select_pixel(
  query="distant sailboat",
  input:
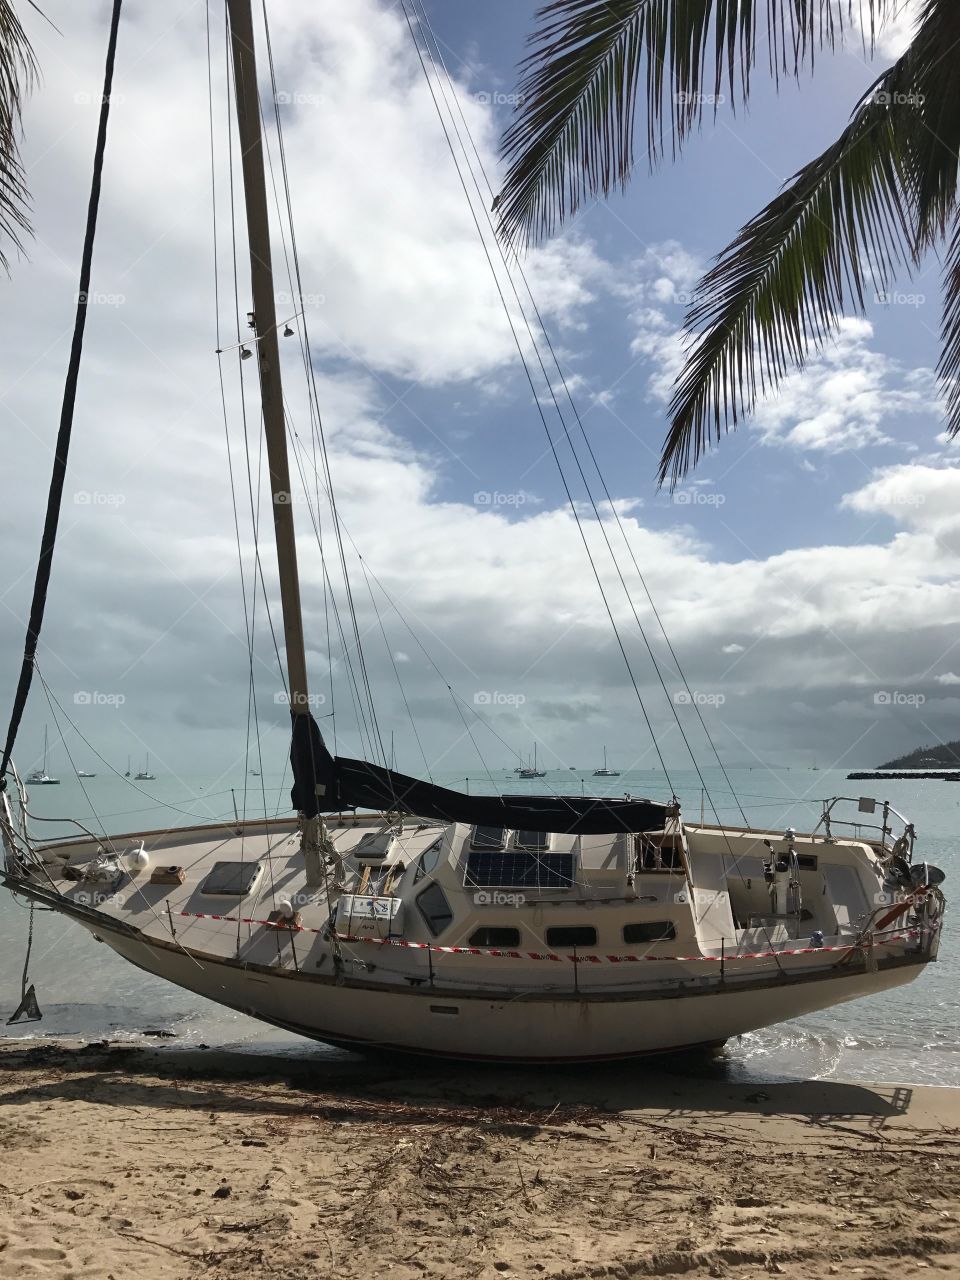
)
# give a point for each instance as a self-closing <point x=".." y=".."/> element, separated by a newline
<point x="145" y="775"/>
<point x="127" y="774"/>
<point x="40" y="777"/>
<point x="605" y="772"/>
<point x="531" y="770"/>
<point x="82" y="773"/>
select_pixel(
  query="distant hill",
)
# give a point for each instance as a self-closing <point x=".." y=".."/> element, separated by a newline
<point x="944" y="755"/>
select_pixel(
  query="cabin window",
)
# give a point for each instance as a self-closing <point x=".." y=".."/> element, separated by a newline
<point x="488" y="838"/>
<point x="649" y="931"/>
<point x="494" y="936"/>
<point x="655" y="856"/>
<point x="807" y="861"/>
<point x="433" y="906"/>
<point x="519" y="869"/>
<point x="538" y="841"/>
<point x="428" y="860"/>
<point x="572" y="935"/>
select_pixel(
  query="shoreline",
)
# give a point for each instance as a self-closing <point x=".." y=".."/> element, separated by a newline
<point x="718" y="1065"/>
<point x="171" y="1161"/>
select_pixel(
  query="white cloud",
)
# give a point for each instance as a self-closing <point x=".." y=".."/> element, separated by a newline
<point x="847" y="396"/>
<point x="948" y="677"/>
<point x="732" y="648"/>
<point x="843" y="398"/>
<point x="922" y="497"/>
<point x="895" y="34"/>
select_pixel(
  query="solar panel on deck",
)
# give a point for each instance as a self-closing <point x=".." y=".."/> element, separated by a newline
<point x="519" y="869"/>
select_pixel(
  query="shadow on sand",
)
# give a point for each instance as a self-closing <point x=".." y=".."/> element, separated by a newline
<point x="396" y="1088"/>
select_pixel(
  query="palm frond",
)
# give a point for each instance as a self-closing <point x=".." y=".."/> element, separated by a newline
<point x="18" y="69"/>
<point x="930" y="92"/>
<point x="948" y="367"/>
<point x="573" y="137"/>
<point x="845" y="220"/>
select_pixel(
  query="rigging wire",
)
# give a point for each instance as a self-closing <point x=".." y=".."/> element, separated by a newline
<point x="396" y="670"/>
<point x="62" y="449"/>
<point x="249" y="607"/>
<point x="363" y="727"/>
<point x="436" y="54"/>
<point x="457" y="165"/>
<point x="457" y="700"/>
<point x="311" y="382"/>
<point x="550" y="439"/>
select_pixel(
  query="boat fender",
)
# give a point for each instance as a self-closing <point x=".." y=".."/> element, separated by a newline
<point x="138" y="859"/>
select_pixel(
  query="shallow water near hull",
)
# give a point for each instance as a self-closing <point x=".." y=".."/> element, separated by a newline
<point x="86" y="992"/>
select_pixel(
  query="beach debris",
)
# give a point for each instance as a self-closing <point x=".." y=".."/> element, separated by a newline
<point x="222" y="1192"/>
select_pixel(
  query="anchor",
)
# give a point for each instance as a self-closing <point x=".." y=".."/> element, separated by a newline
<point x="27" y="1010"/>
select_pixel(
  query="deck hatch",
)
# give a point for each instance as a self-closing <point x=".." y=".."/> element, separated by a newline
<point x="232" y="879"/>
<point x="488" y="838"/>
<point x="519" y="869"/>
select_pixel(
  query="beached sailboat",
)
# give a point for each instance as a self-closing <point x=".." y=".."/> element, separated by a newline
<point x="40" y="777"/>
<point x="390" y="911"/>
<point x="604" y="772"/>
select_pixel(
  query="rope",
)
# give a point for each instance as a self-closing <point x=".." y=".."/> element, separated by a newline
<point x="61" y="452"/>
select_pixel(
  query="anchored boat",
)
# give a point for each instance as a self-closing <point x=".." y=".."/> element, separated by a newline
<point x="389" y="911"/>
<point x="40" y="777"/>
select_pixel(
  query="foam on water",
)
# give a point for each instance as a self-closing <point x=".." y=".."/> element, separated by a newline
<point x="908" y="1036"/>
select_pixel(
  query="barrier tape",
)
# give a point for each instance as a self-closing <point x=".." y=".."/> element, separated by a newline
<point x="545" y="955"/>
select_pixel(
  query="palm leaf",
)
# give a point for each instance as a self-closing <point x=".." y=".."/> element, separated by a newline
<point x="873" y="202"/>
<point x="845" y="220"/>
<point x="573" y="137"/>
<point x="18" y="69"/>
<point x="931" y="92"/>
<point x="948" y="367"/>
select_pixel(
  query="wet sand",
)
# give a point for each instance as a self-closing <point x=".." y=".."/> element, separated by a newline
<point x="120" y="1161"/>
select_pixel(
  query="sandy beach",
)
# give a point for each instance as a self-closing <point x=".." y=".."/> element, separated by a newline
<point x="122" y="1161"/>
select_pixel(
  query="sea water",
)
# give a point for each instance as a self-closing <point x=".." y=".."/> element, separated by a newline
<point x="908" y="1036"/>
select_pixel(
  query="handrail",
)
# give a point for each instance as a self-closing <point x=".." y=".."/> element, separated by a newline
<point x="885" y="828"/>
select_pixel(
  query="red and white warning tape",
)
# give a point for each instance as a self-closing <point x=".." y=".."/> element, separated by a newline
<point x="545" y="955"/>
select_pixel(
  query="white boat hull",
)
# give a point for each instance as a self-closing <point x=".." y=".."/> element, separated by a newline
<point x="511" y="1028"/>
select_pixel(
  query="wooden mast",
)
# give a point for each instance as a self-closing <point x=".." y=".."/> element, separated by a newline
<point x="266" y="345"/>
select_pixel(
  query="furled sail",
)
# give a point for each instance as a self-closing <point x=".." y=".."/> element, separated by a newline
<point x="324" y="783"/>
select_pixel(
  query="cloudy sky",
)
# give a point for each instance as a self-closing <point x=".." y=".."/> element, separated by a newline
<point x="806" y="574"/>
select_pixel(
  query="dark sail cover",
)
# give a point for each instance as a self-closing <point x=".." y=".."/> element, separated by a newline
<point x="329" y="784"/>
